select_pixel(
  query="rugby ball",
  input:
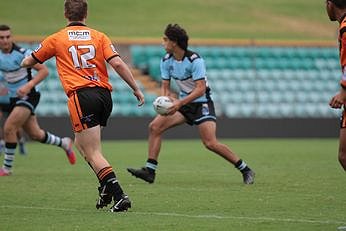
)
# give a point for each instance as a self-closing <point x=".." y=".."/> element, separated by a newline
<point x="161" y="104"/>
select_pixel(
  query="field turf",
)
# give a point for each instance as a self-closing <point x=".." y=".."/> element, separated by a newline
<point x="299" y="186"/>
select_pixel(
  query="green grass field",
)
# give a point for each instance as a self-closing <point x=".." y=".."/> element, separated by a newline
<point x="227" y="19"/>
<point x="299" y="186"/>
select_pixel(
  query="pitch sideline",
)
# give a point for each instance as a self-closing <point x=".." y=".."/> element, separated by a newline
<point x="210" y="216"/>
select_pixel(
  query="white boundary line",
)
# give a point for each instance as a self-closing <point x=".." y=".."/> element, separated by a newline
<point x="210" y="216"/>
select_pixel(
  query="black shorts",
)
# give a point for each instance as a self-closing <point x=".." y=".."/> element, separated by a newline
<point x="197" y="113"/>
<point x="30" y="101"/>
<point x="89" y="107"/>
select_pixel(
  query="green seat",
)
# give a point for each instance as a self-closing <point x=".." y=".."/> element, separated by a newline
<point x="154" y="68"/>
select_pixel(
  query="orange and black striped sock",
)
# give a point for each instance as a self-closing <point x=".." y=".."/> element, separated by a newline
<point x="107" y="176"/>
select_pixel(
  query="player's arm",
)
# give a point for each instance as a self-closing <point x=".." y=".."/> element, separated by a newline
<point x="42" y="73"/>
<point x="166" y="80"/>
<point x="165" y="88"/>
<point x="195" y="93"/>
<point x="28" y="61"/>
<point x="123" y="70"/>
<point x="340" y="98"/>
<point x="198" y="73"/>
<point x="198" y="91"/>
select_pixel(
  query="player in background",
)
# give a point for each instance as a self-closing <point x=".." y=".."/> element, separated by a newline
<point x="23" y="100"/>
<point x="336" y="10"/>
<point x="4" y="111"/>
<point x="194" y="106"/>
<point x="81" y="58"/>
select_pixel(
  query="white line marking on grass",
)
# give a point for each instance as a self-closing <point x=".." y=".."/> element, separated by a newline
<point x="36" y="208"/>
<point x="210" y="216"/>
<point x="246" y="218"/>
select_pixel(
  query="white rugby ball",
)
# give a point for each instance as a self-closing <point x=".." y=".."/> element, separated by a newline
<point x="161" y="104"/>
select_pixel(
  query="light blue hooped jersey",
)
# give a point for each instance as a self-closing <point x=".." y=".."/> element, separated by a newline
<point x="4" y="99"/>
<point x="185" y="73"/>
<point x="14" y="75"/>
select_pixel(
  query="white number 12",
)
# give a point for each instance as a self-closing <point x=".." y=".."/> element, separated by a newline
<point x="84" y="57"/>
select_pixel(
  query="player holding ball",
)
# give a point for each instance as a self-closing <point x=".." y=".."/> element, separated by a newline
<point x="193" y="106"/>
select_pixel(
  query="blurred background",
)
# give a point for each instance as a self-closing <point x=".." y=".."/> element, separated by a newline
<point x="272" y="65"/>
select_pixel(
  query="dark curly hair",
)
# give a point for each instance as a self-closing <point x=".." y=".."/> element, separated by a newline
<point x="177" y="34"/>
<point x="339" y="3"/>
<point x="4" y="27"/>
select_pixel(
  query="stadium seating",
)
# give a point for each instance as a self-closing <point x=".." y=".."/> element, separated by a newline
<point x="246" y="81"/>
<point x="269" y="82"/>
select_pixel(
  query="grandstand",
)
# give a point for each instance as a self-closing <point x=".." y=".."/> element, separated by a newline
<point x="246" y="81"/>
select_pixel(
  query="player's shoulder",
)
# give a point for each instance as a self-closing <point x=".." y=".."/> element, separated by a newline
<point x="166" y="57"/>
<point x="19" y="49"/>
<point x="192" y="56"/>
<point x="342" y="28"/>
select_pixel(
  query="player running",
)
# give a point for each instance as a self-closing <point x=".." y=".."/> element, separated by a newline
<point x="194" y="106"/>
<point x="24" y="98"/>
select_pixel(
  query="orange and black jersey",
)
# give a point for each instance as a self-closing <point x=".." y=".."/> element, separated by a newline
<point x="80" y="54"/>
<point x="342" y="50"/>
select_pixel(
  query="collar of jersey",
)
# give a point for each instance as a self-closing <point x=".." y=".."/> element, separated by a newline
<point x="76" y="24"/>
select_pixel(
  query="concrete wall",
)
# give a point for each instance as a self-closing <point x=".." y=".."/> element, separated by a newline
<point x="136" y="128"/>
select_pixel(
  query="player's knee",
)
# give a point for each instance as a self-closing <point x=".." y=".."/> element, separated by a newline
<point x="154" y="128"/>
<point x="210" y="144"/>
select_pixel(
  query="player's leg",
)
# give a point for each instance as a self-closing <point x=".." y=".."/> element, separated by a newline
<point x="88" y="142"/>
<point x="156" y="128"/>
<point x="207" y="131"/>
<point x="32" y="128"/>
<point x="342" y="141"/>
<point x="90" y="109"/>
<point x="2" y="122"/>
<point x="13" y="123"/>
<point x="21" y="141"/>
<point x="4" y="111"/>
<point x="342" y="148"/>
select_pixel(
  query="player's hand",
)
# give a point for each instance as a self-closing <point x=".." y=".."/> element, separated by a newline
<point x="175" y="107"/>
<point x="140" y="97"/>
<point x="3" y="90"/>
<point x="337" y="101"/>
<point x="24" y="90"/>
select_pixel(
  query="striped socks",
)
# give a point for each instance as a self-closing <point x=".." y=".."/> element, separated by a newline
<point x="242" y="166"/>
<point x="52" y="139"/>
<point x="107" y="177"/>
<point x="151" y="165"/>
<point x="10" y="149"/>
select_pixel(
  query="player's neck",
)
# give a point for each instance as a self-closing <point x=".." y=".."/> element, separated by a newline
<point x="179" y="54"/>
<point x="76" y="22"/>
<point x="340" y="15"/>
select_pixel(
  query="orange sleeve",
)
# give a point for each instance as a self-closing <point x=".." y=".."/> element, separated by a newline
<point x="45" y="50"/>
<point x="342" y="47"/>
<point x="109" y="50"/>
